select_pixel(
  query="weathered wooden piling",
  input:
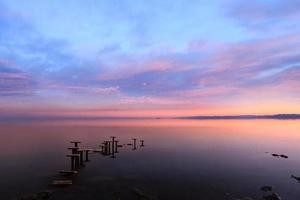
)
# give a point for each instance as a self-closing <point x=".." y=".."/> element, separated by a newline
<point x="80" y="151"/>
<point x="74" y="149"/>
<point x="108" y="147"/>
<point x="113" y="144"/>
<point x="75" y="152"/>
<point x="116" y="146"/>
<point x="87" y="154"/>
<point x="134" y="143"/>
<point x="75" y="143"/>
<point x="102" y="147"/>
<point x="142" y="143"/>
<point x="74" y="160"/>
<point x="112" y="154"/>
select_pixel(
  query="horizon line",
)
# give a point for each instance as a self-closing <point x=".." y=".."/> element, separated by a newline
<point x="195" y="117"/>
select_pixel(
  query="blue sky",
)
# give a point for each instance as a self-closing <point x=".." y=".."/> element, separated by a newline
<point x="198" y="55"/>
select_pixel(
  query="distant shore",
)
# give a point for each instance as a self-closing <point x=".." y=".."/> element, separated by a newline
<point x="277" y="116"/>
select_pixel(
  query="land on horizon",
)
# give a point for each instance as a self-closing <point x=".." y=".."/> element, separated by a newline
<point x="276" y="116"/>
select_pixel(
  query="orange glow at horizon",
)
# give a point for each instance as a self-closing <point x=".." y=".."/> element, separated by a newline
<point x="240" y="108"/>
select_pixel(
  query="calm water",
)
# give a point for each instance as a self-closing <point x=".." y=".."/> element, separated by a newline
<point x="182" y="159"/>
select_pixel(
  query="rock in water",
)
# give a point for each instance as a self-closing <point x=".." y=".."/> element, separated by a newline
<point x="37" y="196"/>
<point x="46" y="194"/>
<point x="275" y="155"/>
<point x="266" y="188"/>
<point x="296" y="177"/>
<point x="143" y="196"/>
<point x="283" y="156"/>
<point x="246" y="198"/>
<point x="273" y="196"/>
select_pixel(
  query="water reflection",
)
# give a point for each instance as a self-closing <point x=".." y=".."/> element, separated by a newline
<point x="187" y="159"/>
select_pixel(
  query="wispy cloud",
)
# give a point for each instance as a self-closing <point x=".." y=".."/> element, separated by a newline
<point x="276" y="16"/>
<point x="212" y="55"/>
<point x="14" y="81"/>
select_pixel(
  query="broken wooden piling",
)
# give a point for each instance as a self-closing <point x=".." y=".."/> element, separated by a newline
<point x="134" y="143"/>
<point x="87" y="154"/>
<point x="75" y="143"/>
<point x="74" y="160"/>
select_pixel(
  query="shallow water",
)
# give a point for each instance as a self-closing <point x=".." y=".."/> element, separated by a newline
<point x="182" y="159"/>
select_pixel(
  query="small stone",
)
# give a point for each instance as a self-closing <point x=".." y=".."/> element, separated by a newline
<point x="275" y="155"/>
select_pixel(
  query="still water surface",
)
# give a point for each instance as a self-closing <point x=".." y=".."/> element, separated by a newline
<point x="182" y="159"/>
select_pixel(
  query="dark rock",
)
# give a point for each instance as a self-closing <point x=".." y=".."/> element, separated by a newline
<point x="296" y="177"/>
<point x="273" y="196"/>
<point x="275" y="155"/>
<point x="283" y="156"/>
<point x="266" y="188"/>
<point x="246" y="198"/>
<point x="46" y="194"/>
<point x="27" y="197"/>
<point x="143" y="196"/>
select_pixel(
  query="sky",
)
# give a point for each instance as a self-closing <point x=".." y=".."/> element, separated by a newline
<point x="149" y="57"/>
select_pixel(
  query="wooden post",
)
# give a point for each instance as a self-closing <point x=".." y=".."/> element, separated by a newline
<point x="81" y="156"/>
<point x="142" y="143"/>
<point x="116" y="146"/>
<point x="87" y="154"/>
<point x="75" y="143"/>
<point x="113" y="144"/>
<point x="106" y="150"/>
<point x="74" y="149"/>
<point x="74" y="158"/>
<point x="109" y="144"/>
<point x="102" y="148"/>
<point x="134" y="143"/>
